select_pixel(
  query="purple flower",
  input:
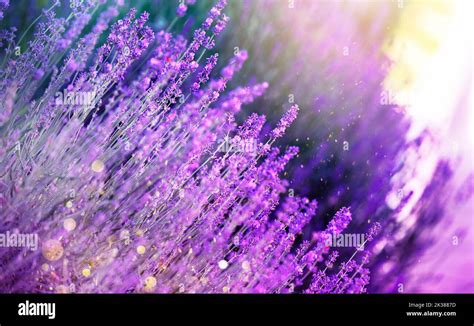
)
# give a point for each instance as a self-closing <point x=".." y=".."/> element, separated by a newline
<point x="115" y="161"/>
<point x="181" y="11"/>
<point x="287" y="119"/>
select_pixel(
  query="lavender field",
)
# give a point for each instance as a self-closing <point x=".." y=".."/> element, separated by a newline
<point x="236" y="146"/>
